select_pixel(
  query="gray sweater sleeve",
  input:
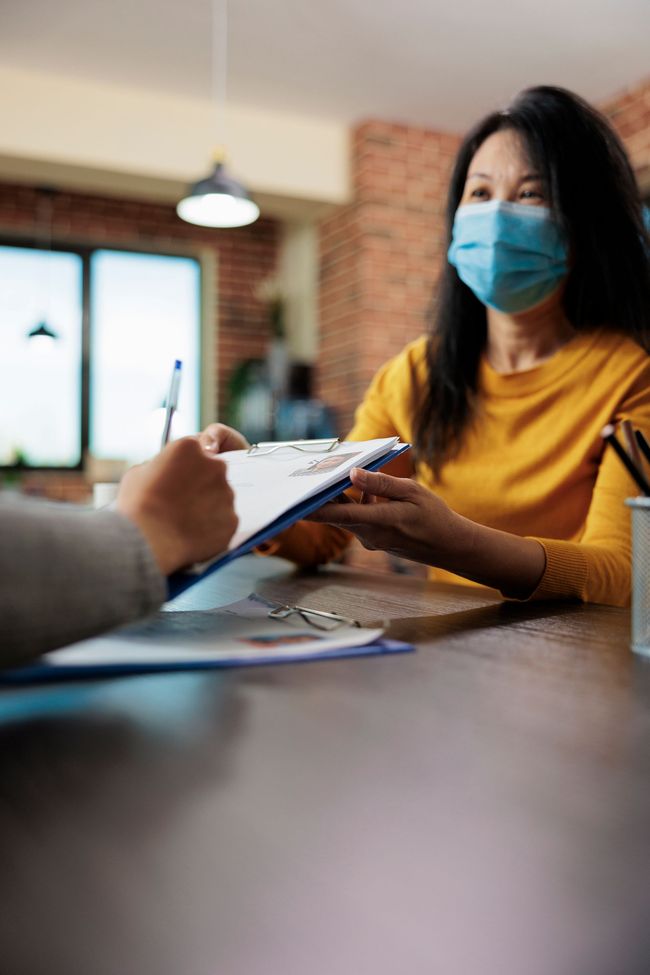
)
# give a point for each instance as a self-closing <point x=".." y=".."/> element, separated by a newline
<point x="67" y="573"/>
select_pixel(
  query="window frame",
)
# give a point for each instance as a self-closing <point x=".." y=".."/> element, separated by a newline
<point x="85" y="251"/>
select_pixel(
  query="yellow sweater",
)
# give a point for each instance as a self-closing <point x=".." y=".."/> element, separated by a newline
<point x="533" y="463"/>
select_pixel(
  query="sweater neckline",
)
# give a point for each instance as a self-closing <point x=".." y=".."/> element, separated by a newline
<point x="530" y="380"/>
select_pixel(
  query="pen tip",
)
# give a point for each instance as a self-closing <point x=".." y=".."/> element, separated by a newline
<point x="177" y="364"/>
<point x="607" y="430"/>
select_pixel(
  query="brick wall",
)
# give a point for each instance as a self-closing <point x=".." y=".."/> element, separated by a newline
<point x="380" y="256"/>
<point x="629" y="113"/>
<point x="242" y="258"/>
<point x="379" y="261"/>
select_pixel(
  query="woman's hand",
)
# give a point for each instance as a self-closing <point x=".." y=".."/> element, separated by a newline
<point x="218" y="438"/>
<point x="397" y="515"/>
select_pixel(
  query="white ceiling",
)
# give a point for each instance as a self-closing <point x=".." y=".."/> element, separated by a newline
<point x="439" y="63"/>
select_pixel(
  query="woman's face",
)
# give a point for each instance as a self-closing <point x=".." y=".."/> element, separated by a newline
<point x="501" y="170"/>
<point x="514" y="262"/>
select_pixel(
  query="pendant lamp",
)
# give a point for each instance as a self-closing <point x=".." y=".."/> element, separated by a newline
<point x="42" y="334"/>
<point x="218" y="200"/>
<point x="42" y="331"/>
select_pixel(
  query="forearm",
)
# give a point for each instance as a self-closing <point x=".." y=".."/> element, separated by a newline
<point x="399" y="516"/>
<point x="494" y="558"/>
<point x="68" y="574"/>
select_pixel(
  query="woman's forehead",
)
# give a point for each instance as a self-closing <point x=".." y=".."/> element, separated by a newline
<point x="502" y="152"/>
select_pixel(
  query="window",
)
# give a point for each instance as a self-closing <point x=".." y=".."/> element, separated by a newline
<point x="144" y="313"/>
<point x="40" y="389"/>
<point x="118" y="321"/>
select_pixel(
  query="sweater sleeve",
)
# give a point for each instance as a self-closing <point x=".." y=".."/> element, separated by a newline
<point x="597" y="567"/>
<point x="309" y="544"/>
<point x="68" y="573"/>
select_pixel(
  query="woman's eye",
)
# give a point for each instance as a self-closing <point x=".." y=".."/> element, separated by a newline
<point x="479" y="193"/>
<point x="530" y="195"/>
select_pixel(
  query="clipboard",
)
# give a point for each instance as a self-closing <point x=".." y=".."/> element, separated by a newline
<point x="46" y="673"/>
<point x="241" y="634"/>
<point x="178" y="582"/>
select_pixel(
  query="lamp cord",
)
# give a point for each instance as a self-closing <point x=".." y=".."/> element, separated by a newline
<point x="220" y="68"/>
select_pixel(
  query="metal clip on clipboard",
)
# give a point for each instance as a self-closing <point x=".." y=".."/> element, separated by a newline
<point x="262" y="449"/>
<point x="316" y="618"/>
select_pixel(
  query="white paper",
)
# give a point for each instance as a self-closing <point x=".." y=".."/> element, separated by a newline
<point x="239" y="632"/>
<point x="266" y="486"/>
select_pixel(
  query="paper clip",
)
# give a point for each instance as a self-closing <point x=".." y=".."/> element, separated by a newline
<point x="306" y="446"/>
<point x="330" y="621"/>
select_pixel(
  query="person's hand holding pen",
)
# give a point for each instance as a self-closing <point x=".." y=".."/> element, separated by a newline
<point x="182" y="504"/>
<point x="217" y="438"/>
<point x="181" y="500"/>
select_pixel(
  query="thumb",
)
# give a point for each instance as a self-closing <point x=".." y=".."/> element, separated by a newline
<point x="384" y="485"/>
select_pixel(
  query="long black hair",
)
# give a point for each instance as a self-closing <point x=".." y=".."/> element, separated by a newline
<point x="590" y="186"/>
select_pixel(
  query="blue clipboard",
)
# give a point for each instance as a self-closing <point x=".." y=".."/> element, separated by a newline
<point x="178" y="582"/>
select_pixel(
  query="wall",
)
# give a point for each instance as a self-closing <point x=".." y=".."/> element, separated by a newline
<point x="236" y="261"/>
<point x="125" y="138"/>
<point x="379" y="260"/>
<point x="629" y="113"/>
<point x="298" y="279"/>
<point x="380" y="256"/>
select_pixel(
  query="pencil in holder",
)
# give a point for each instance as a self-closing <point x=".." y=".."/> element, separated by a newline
<point x="640" y="574"/>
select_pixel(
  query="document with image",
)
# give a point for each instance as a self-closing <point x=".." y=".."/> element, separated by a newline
<point x="268" y="484"/>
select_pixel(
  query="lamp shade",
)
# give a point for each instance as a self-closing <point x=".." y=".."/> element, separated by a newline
<point x="42" y="331"/>
<point x="218" y="201"/>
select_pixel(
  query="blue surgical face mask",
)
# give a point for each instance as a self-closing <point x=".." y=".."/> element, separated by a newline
<point x="511" y="255"/>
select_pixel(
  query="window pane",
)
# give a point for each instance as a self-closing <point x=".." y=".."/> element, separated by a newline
<point x="40" y="392"/>
<point x="145" y="313"/>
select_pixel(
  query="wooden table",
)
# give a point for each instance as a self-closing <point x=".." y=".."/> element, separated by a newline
<point x="481" y="806"/>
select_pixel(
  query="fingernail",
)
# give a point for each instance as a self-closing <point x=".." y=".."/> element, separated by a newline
<point x="359" y="475"/>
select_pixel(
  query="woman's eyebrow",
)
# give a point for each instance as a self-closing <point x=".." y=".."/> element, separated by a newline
<point x="527" y="177"/>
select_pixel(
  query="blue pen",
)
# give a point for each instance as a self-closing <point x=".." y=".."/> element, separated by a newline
<point x="172" y="401"/>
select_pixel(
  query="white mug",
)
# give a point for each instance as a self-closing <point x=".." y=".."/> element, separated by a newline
<point x="104" y="494"/>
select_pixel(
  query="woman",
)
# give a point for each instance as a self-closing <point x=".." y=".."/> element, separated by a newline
<point x="541" y="339"/>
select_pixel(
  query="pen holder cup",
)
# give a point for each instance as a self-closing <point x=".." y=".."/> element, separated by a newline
<point x="640" y="574"/>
